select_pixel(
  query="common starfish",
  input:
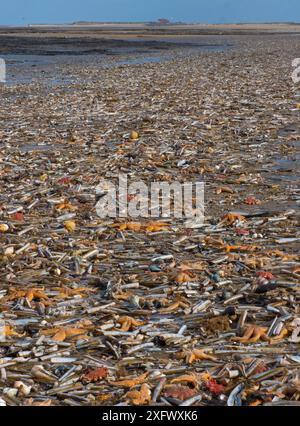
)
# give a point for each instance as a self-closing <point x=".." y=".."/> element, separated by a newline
<point x="30" y="294"/>
<point x="128" y="323"/>
<point x="61" y="334"/>
<point x="230" y="218"/>
<point x="255" y="333"/>
<point x="141" y="397"/>
<point x="173" y="307"/>
<point x="196" y="355"/>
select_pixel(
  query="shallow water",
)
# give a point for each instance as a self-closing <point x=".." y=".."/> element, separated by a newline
<point x="35" y="147"/>
<point x="26" y="68"/>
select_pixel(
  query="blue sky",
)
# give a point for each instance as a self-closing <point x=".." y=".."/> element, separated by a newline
<point x="209" y="11"/>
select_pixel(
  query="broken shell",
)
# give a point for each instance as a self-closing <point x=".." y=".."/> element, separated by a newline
<point x="9" y="251"/>
<point x="38" y="372"/>
<point x="23" y="390"/>
<point x="10" y="392"/>
<point x="70" y="225"/>
<point x="134" y="135"/>
<point x="4" y="227"/>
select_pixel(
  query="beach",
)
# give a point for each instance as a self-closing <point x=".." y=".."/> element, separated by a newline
<point x="150" y="311"/>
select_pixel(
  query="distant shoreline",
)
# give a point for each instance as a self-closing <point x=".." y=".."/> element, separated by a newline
<point x="150" y="23"/>
<point x="149" y="29"/>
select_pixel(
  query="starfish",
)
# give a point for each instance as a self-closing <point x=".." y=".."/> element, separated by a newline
<point x="156" y="226"/>
<point x="130" y="226"/>
<point x="66" y="206"/>
<point x="253" y="334"/>
<point x="282" y="255"/>
<point x="284" y="332"/>
<point x="240" y="248"/>
<point x="128" y="323"/>
<point x="68" y="292"/>
<point x="225" y="189"/>
<point x="214" y="242"/>
<point x="252" y="201"/>
<point x="30" y="294"/>
<point x="188" y="378"/>
<point x="9" y="332"/>
<point x="61" y="334"/>
<point x="141" y="397"/>
<point x="129" y="383"/>
<point x="196" y="355"/>
<point x="173" y="307"/>
<point x="184" y="277"/>
<point x="230" y="218"/>
<point x="123" y="295"/>
<point x="95" y="375"/>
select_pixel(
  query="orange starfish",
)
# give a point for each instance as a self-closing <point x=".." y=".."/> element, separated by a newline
<point x="141" y="397"/>
<point x="129" y="383"/>
<point x="188" y="378"/>
<point x="240" y="248"/>
<point x="128" y="323"/>
<point x="173" y="307"/>
<point x="130" y="226"/>
<point x="184" y="277"/>
<point x="284" y="332"/>
<point x="196" y="355"/>
<point x="123" y="295"/>
<point x="253" y="334"/>
<point x="224" y="189"/>
<point x="66" y="206"/>
<point x="61" y="334"/>
<point x="8" y="331"/>
<point x="156" y="226"/>
<point x="30" y="294"/>
<point x="230" y="218"/>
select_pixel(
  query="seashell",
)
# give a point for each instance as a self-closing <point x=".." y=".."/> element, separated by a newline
<point x="10" y="392"/>
<point x="23" y="390"/>
<point x="134" y="135"/>
<point x="9" y="251"/>
<point x="4" y="227"/>
<point x="38" y="372"/>
<point x="70" y="225"/>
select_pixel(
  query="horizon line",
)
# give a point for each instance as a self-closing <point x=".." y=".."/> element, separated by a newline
<point x="80" y="23"/>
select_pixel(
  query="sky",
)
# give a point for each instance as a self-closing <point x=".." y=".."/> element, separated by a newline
<point x="23" y="12"/>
